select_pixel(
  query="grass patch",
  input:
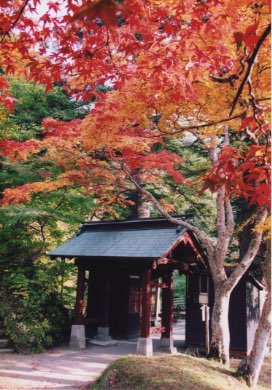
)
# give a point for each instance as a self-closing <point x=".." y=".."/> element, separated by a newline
<point x="180" y="372"/>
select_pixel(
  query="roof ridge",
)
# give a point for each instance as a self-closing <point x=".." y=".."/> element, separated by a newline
<point x="129" y="221"/>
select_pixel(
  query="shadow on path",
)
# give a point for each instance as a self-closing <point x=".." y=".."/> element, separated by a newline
<point x="62" y="368"/>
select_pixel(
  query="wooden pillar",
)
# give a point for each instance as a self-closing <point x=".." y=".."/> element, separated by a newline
<point x="146" y="303"/>
<point x="80" y="295"/>
<point x="157" y="304"/>
<point x="105" y="300"/>
<point x="89" y="308"/>
<point x="167" y="306"/>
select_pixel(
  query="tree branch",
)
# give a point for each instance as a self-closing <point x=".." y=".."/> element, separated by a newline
<point x="256" y="109"/>
<point x="222" y="80"/>
<point x="15" y="21"/>
<point x="199" y="233"/>
<point x="250" y="253"/>
<point x="230" y="224"/>
<point x="221" y="216"/>
<point x="250" y="63"/>
<point x="203" y="125"/>
<point x="222" y="236"/>
<point x="251" y="136"/>
<point x="267" y="266"/>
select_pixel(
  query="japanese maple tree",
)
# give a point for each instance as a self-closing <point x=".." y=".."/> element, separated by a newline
<point x="198" y="67"/>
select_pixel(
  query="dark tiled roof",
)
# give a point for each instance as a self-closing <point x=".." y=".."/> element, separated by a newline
<point x="142" y="238"/>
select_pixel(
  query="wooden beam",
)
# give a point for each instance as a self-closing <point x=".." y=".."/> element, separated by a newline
<point x="167" y="306"/>
<point x="188" y="240"/>
<point x="157" y="304"/>
<point x="80" y="295"/>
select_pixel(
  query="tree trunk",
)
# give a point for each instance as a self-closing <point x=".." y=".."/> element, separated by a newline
<point x="254" y="363"/>
<point x="251" y="367"/>
<point x="143" y="207"/>
<point x="220" y="340"/>
<point x="217" y="249"/>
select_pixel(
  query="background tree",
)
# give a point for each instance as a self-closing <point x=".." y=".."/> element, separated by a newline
<point x="35" y="302"/>
<point x="32" y="105"/>
<point x="199" y="65"/>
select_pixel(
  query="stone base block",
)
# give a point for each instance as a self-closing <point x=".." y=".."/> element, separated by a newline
<point x="103" y="333"/>
<point x="145" y="346"/>
<point x="103" y="337"/>
<point x="77" y="340"/>
<point x="167" y="345"/>
<point x="101" y="343"/>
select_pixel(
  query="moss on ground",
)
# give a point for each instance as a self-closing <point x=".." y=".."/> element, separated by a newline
<point x="180" y="372"/>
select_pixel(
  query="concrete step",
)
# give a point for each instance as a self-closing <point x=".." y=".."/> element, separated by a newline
<point x="6" y="350"/>
<point x="4" y="343"/>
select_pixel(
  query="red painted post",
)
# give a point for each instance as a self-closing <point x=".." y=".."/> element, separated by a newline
<point x="146" y="303"/>
<point x="167" y="306"/>
<point x="80" y="295"/>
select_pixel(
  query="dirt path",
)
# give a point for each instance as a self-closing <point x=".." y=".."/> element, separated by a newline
<point x="60" y="368"/>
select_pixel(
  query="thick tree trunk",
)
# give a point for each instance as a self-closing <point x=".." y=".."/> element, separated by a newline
<point x="220" y="340"/>
<point x="254" y="363"/>
<point x="217" y="249"/>
<point x="251" y="367"/>
<point x="143" y="207"/>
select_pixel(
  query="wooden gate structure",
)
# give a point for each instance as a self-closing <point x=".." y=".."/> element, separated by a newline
<point x="124" y="261"/>
<point x="120" y="263"/>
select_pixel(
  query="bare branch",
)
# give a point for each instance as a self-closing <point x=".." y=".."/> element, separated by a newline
<point x="224" y="219"/>
<point x="199" y="233"/>
<point x="230" y="224"/>
<point x="256" y="108"/>
<point x="15" y="21"/>
<point x="225" y="227"/>
<point x="250" y="63"/>
<point x="250" y="253"/>
<point x="222" y="80"/>
<point x="110" y="51"/>
<point x="263" y="99"/>
<point x="213" y="152"/>
<point x="221" y="217"/>
<point x="251" y="136"/>
<point x="226" y="137"/>
<point x="267" y="265"/>
<point x="203" y="125"/>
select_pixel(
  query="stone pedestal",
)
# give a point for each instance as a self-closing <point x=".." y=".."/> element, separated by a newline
<point x="145" y="346"/>
<point x="167" y="345"/>
<point x="102" y="337"/>
<point x="103" y="333"/>
<point x="77" y="340"/>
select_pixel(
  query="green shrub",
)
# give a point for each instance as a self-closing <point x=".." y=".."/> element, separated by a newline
<point x="27" y="334"/>
<point x="31" y="311"/>
<point x="59" y="318"/>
